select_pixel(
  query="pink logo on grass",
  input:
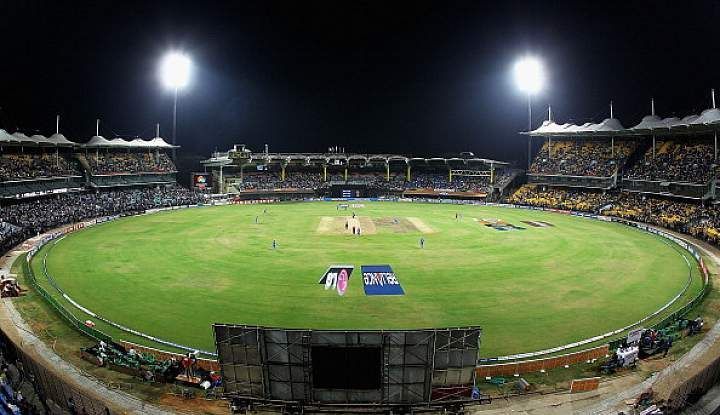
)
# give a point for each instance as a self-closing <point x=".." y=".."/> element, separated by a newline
<point x="342" y="281"/>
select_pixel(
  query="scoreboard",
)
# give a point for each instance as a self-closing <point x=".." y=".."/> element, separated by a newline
<point x="349" y="191"/>
<point x="201" y="181"/>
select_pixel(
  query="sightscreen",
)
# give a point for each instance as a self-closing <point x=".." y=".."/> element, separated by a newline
<point x="346" y="367"/>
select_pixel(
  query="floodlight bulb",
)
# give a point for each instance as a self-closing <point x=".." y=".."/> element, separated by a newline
<point x="175" y="70"/>
<point x="529" y="75"/>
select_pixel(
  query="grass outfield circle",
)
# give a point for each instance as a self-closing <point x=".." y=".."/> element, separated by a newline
<point x="560" y="279"/>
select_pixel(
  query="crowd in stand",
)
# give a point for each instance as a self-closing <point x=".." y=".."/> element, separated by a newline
<point x="32" y="166"/>
<point x="378" y="179"/>
<point x="664" y="212"/>
<point x="582" y="157"/>
<point x="25" y="219"/>
<point x="694" y="218"/>
<point x="271" y="180"/>
<point x="702" y="221"/>
<point x="429" y="181"/>
<point x="687" y="161"/>
<point x="473" y="184"/>
<point x="503" y="177"/>
<point x="28" y="166"/>
<point x="128" y="162"/>
<point x="559" y="198"/>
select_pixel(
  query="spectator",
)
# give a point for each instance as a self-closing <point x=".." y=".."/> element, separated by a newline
<point x="127" y="162"/>
<point x="687" y="161"/>
<point x="25" y="219"/>
<point x="582" y="157"/>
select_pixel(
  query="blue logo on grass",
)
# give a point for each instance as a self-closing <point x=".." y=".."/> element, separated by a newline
<point x="380" y="280"/>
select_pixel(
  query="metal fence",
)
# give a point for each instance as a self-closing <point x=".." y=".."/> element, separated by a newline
<point x="62" y="311"/>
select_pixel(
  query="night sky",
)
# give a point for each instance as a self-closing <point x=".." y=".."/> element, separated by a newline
<point x="379" y="76"/>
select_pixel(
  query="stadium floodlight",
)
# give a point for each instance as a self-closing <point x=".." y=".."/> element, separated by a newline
<point x="175" y="70"/>
<point x="529" y="75"/>
<point x="530" y="79"/>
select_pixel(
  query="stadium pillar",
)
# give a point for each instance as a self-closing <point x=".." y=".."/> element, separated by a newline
<point x="612" y="147"/>
<point x="529" y="99"/>
<point x="57" y="131"/>
<point x="550" y="148"/>
<point x="387" y="171"/>
<point x="654" y="145"/>
<point x="450" y="175"/>
<point x="407" y="177"/>
<point x="241" y="174"/>
<point x="174" y="153"/>
<point x="492" y="173"/>
<point x="324" y="172"/>
<point x="222" y="188"/>
<point x="346" y="173"/>
<point x="282" y="172"/>
<point x="715" y="145"/>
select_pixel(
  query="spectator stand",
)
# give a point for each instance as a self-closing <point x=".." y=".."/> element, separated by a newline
<point x="32" y="166"/>
<point x="506" y="180"/>
<point x="119" y="162"/>
<point x="684" y="164"/>
<point x="242" y="172"/>
<point x="679" y="166"/>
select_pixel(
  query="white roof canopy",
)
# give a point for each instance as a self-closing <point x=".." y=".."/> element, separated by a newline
<point x="550" y="128"/>
<point x="59" y="140"/>
<point x="707" y="121"/>
<point x="102" y="142"/>
<point x="7" y="138"/>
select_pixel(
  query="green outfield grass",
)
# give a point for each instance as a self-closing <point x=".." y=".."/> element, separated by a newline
<point x="173" y="274"/>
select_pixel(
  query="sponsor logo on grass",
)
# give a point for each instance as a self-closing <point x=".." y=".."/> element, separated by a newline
<point x="380" y="280"/>
<point x="337" y="277"/>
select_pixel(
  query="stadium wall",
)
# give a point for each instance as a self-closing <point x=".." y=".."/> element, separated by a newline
<point x="54" y="392"/>
<point x="535" y="365"/>
<point x="690" y="390"/>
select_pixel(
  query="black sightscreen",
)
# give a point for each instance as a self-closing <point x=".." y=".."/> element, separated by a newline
<point x="346" y="367"/>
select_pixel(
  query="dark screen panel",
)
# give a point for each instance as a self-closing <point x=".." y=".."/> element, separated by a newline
<point x="346" y="367"/>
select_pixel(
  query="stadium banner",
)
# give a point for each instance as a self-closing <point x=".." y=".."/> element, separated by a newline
<point x="337" y="277"/>
<point x="380" y="280"/>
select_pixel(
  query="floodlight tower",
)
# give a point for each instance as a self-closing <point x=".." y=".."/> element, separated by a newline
<point x="175" y="69"/>
<point x="529" y="78"/>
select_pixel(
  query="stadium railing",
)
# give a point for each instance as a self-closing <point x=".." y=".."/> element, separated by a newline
<point x="572" y="181"/>
<point x="690" y="190"/>
<point x="71" y="317"/>
<point x="59" y="308"/>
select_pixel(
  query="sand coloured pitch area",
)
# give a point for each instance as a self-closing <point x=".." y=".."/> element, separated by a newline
<point x="336" y="225"/>
<point x="420" y="225"/>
